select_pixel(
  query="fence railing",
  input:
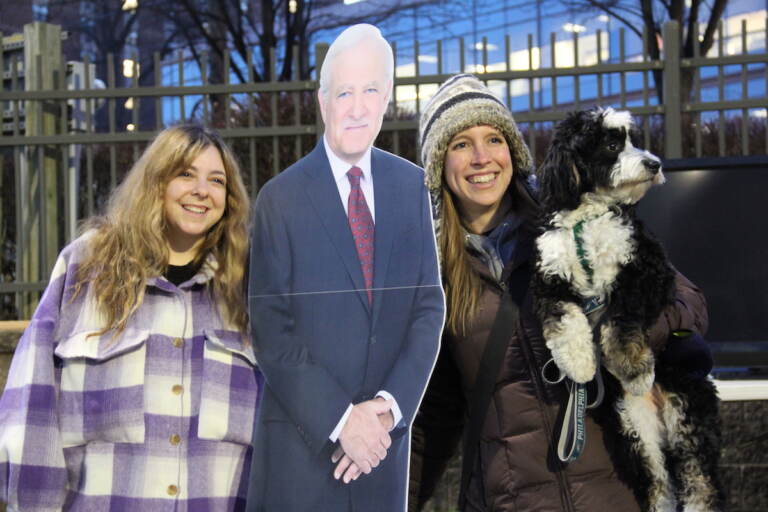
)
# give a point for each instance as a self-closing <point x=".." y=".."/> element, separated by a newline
<point x="64" y="146"/>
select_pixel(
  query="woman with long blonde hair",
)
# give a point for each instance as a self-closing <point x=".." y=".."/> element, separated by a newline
<point x="134" y="386"/>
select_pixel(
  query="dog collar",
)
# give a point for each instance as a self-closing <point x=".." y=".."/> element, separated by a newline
<point x="580" y="252"/>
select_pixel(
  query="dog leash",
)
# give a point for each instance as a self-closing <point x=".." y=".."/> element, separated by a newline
<point x="572" y="436"/>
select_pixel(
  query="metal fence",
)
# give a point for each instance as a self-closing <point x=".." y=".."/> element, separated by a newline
<point x="65" y="146"/>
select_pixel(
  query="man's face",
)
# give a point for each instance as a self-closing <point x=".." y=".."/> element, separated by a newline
<point x="356" y="100"/>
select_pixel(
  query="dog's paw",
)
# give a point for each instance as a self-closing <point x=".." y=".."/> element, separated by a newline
<point x="628" y="357"/>
<point x="569" y="338"/>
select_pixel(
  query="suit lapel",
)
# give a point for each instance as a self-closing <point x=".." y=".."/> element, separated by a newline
<point x="324" y="196"/>
<point x="385" y="194"/>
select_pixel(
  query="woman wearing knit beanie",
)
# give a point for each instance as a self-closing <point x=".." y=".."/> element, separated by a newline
<point x="478" y="171"/>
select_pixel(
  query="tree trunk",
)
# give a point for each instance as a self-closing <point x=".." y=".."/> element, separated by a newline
<point x="218" y="34"/>
<point x="268" y="40"/>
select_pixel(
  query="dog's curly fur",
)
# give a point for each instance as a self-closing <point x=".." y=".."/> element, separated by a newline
<point x="661" y="426"/>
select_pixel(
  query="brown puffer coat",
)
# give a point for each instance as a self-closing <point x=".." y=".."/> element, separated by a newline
<point x="516" y="469"/>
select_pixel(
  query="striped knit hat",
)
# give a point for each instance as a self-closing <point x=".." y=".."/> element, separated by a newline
<point x="460" y="103"/>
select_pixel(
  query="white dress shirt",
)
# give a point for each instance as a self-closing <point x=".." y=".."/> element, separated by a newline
<point x="339" y="168"/>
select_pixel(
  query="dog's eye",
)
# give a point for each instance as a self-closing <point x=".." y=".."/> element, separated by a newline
<point x="613" y="146"/>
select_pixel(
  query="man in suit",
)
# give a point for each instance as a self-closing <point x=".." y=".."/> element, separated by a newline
<point x="345" y="302"/>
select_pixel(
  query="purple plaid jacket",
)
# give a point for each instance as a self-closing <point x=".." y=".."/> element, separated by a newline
<point x="158" y="418"/>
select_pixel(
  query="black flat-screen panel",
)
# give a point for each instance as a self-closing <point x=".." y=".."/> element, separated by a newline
<point x="714" y="226"/>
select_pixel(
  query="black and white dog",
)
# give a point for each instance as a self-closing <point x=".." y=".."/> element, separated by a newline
<point x="598" y="269"/>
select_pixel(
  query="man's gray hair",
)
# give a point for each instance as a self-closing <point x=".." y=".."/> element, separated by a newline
<point x="349" y="38"/>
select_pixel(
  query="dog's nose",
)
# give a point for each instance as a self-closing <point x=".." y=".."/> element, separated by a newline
<point x="652" y="165"/>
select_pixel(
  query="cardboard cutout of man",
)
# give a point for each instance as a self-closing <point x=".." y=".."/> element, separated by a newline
<point x="345" y="302"/>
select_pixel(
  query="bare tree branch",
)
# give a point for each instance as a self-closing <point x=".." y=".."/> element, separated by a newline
<point x="693" y="21"/>
<point x="650" y="17"/>
<point x="676" y="10"/>
<point x="611" y="11"/>
<point x="714" y="19"/>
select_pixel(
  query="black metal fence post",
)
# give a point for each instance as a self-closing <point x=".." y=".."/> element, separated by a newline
<point x="673" y="145"/>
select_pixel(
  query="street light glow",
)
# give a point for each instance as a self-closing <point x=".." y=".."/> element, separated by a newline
<point x="129" y="5"/>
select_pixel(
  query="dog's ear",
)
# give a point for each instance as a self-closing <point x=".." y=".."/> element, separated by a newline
<point x="560" y="182"/>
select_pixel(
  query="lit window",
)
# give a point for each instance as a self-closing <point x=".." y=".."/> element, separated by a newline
<point x="293" y="6"/>
<point x="129" y="66"/>
<point x="573" y="27"/>
<point x="130" y="127"/>
<point x="129" y="103"/>
<point x="479" y="46"/>
<point x="129" y="5"/>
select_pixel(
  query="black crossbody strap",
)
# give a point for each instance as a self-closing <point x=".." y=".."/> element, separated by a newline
<point x="505" y="322"/>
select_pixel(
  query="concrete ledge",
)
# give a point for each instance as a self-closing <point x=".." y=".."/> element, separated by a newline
<point x="10" y="332"/>
<point x="739" y="390"/>
<point x="13" y="325"/>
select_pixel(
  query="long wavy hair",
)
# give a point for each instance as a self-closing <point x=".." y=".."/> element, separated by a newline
<point x="461" y="282"/>
<point x="128" y="245"/>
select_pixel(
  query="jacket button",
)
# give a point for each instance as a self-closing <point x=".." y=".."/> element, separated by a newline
<point x="172" y="490"/>
<point x="178" y="342"/>
<point x="175" y="439"/>
<point x="177" y="389"/>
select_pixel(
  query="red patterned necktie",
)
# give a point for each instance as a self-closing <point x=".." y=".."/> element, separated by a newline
<point x="361" y="224"/>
